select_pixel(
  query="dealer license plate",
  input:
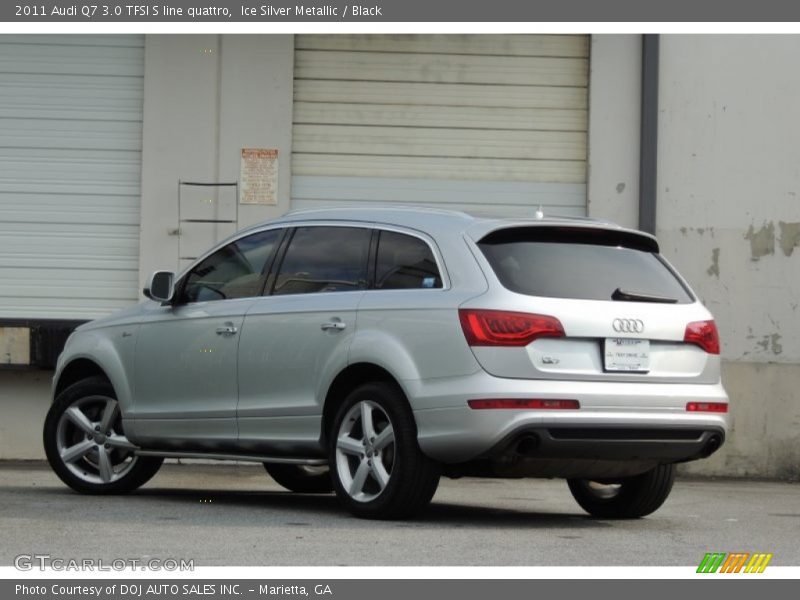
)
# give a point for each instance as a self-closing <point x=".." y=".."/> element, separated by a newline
<point x="625" y="354"/>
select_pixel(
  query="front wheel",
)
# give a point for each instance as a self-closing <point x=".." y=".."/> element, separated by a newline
<point x="626" y="498"/>
<point x="378" y="469"/>
<point x="86" y="445"/>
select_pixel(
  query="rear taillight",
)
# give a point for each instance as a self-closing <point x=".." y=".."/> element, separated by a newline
<point x="503" y="328"/>
<point x="703" y="334"/>
<point x="715" y="407"/>
<point x="521" y="403"/>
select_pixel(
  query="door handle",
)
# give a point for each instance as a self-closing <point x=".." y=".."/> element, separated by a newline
<point x="227" y="329"/>
<point x="335" y="325"/>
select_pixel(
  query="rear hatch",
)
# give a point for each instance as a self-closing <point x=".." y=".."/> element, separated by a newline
<point x="587" y="303"/>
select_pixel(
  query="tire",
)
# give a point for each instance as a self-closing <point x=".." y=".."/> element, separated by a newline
<point x="301" y="479"/>
<point x="86" y="445"/>
<point x="379" y="472"/>
<point x="629" y="498"/>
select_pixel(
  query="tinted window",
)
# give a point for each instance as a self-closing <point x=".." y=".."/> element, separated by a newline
<point x="234" y="271"/>
<point x="405" y="262"/>
<point x="324" y="259"/>
<point x="538" y="264"/>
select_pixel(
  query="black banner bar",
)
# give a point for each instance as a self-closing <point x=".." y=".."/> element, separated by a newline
<point x="402" y="11"/>
<point x="370" y="589"/>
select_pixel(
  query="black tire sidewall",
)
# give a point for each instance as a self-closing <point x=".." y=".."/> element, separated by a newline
<point x="638" y="496"/>
<point x="401" y="496"/>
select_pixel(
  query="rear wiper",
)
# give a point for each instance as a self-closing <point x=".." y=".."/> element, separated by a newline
<point x="627" y="296"/>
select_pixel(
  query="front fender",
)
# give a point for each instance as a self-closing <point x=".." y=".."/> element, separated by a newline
<point x="112" y="352"/>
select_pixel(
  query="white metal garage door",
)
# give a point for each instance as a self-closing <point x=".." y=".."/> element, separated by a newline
<point x="70" y="164"/>
<point x="484" y="123"/>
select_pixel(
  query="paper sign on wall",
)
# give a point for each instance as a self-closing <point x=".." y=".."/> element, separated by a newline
<point x="259" y="176"/>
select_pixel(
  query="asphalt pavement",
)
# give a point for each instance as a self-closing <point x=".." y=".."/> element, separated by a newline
<point x="234" y="514"/>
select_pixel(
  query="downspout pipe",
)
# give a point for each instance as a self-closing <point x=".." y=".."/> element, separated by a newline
<point x="648" y="143"/>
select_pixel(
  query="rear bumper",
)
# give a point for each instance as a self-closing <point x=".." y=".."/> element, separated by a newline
<point x="659" y="444"/>
<point x="617" y="421"/>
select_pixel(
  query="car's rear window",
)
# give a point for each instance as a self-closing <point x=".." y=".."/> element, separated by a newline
<point x="586" y="264"/>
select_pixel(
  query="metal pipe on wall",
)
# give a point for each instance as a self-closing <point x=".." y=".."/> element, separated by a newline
<point x="648" y="145"/>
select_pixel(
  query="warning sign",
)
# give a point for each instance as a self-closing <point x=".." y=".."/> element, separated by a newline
<point x="259" y="176"/>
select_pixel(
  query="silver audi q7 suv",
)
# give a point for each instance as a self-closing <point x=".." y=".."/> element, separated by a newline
<point x="370" y="351"/>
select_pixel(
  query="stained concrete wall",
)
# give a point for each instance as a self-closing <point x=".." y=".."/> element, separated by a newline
<point x="728" y="212"/>
<point x="729" y="219"/>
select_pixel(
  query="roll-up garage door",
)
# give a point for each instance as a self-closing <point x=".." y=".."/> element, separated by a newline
<point x="483" y="123"/>
<point x="70" y="165"/>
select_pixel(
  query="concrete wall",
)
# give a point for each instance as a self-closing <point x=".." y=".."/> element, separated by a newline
<point x="729" y="219"/>
<point x="25" y="398"/>
<point x="614" y="106"/>
<point x="207" y="97"/>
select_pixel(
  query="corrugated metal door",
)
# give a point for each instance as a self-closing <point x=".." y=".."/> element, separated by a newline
<point x="70" y="164"/>
<point x="486" y="123"/>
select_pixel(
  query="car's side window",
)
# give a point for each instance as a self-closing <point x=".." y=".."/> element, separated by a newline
<point x="324" y="259"/>
<point x="405" y="262"/>
<point x="234" y="271"/>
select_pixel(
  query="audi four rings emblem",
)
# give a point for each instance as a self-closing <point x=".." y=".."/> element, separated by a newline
<point x="628" y="325"/>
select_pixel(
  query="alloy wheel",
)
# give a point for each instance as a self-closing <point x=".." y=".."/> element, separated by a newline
<point x="91" y="443"/>
<point x="365" y="451"/>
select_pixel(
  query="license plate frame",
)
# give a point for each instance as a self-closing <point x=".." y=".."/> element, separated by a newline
<point x="626" y="355"/>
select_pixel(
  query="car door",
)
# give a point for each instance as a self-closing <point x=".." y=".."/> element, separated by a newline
<point x="185" y="368"/>
<point x="297" y="336"/>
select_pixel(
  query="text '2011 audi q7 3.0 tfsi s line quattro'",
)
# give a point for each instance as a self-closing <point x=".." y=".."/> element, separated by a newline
<point x="371" y="351"/>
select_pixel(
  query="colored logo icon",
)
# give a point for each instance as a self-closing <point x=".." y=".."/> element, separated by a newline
<point x="734" y="562"/>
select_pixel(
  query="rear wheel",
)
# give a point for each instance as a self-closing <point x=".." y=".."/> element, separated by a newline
<point x="378" y="469"/>
<point x="301" y="478"/>
<point x="626" y="498"/>
<point x="86" y="445"/>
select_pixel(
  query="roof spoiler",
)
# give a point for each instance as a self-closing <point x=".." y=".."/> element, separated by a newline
<point x="572" y="234"/>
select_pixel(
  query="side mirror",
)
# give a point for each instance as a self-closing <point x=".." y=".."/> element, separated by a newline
<point x="161" y="286"/>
